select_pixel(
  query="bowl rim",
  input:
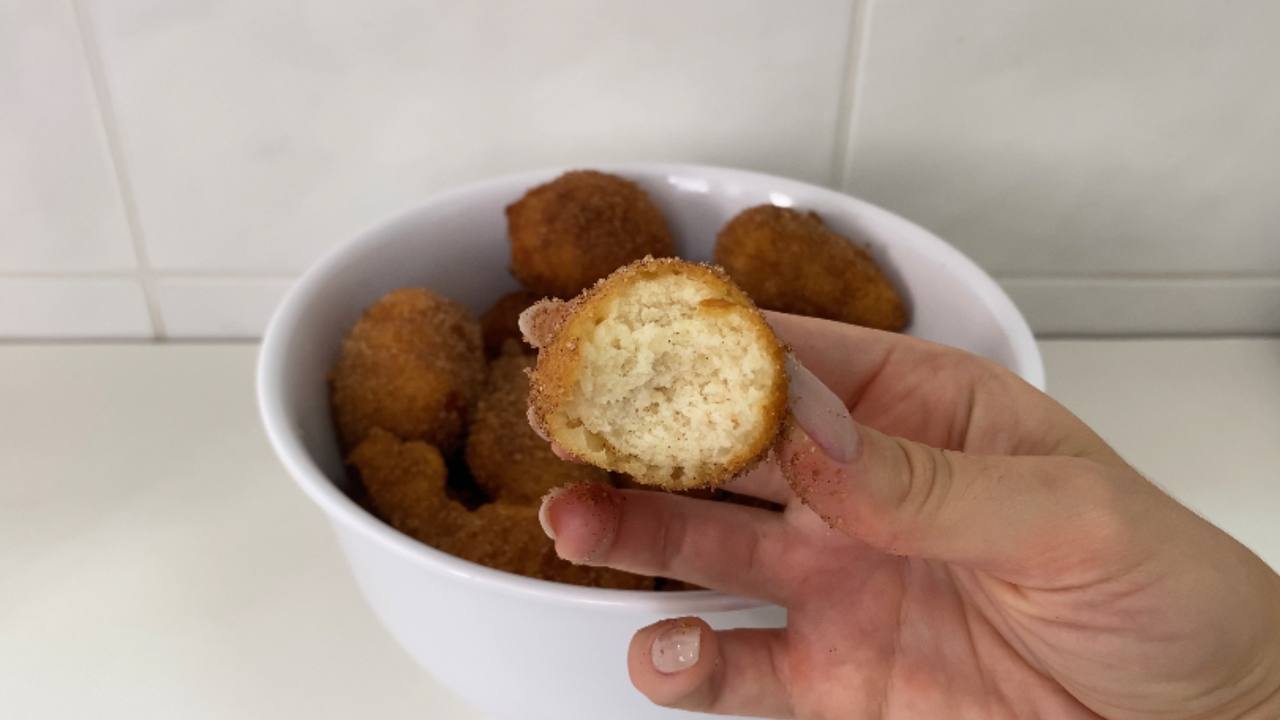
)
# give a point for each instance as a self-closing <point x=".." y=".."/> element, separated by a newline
<point x="345" y="512"/>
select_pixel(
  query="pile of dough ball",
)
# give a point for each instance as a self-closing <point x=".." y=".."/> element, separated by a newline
<point x="426" y="422"/>
<point x="431" y="405"/>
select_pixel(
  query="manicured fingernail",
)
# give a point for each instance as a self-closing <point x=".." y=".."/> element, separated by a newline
<point x="539" y="321"/>
<point x="565" y="455"/>
<point x="535" y="425"/>
<point x="821" y="415"/>
<point x="544" y="511"/>
<point x="676" y="648"/>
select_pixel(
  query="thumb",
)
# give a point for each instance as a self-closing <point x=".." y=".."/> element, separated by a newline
<point x="1016" y="514"/>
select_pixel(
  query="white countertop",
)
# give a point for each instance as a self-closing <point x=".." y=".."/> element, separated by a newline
<point x="156" y="562"/>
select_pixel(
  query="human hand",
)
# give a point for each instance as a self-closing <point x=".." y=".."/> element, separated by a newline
<point x="954" y="543"/>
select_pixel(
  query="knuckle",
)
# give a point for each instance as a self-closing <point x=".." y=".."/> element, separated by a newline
<point x="1110" y="524"/>
<point x="1105" y="521"/>
<point x="753" y="549"/>
<point x="670" y="545"/>
<point x="916" y="497"/>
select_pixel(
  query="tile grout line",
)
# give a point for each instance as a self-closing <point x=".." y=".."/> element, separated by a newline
<point x="106" y="115"/>
<point x="850" y="92"/>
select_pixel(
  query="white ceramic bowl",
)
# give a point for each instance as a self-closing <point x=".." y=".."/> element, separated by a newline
<point x="515" y="647"/>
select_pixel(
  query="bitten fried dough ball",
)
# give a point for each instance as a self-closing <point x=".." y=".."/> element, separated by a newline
<point x="499" y="325"/>
<point x="412" y="365"/>
<point x="506" y="457"/>
<point x="578" y="228"/>
<point x="788" y="260"/>
<point x="664" y="371"/>
<point x="405" y="483"/>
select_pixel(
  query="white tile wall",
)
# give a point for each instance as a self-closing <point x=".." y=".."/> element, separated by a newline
<point x="48" y="308"/>
<point x="218" y="307"/>
<point x="1081" y="137"/>
<point x="60" y="209"/>
<point x="1115" y="164"/>
<point x="260" y="133"/>
<point x="1148" y="306"/>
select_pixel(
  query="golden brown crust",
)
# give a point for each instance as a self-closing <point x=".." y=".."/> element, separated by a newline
<point x="405" y="482"/>
<point x="411" y="365"/>
<point x="555" y="376"/>
<point x="790" y="261"/>
<point x="578" y="228"/>
<point x="500" y="324"/>
<point x="506" y="457"/>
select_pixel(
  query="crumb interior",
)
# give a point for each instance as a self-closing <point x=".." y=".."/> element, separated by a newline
<point x="673" y="383"/>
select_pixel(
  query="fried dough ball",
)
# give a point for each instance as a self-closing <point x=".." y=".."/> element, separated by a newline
<point x="412" y="365"/>
<point x="499" y="325"/>
<point x="664" y="371"/>
<point x="578" y="228"/>
<point x="790" y="261"/>
<point x="405" y="482"/>
<point x="506" y="457"/>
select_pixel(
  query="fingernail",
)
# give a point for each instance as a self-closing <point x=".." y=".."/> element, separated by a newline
<point x="539" y="321"/>
<point x="676" y="648"/>
<point x="821" y="415"/>
<point x="536" y="426"/>
<point x="544" y="511"/>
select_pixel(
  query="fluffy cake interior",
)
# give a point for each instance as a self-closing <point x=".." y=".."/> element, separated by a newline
<point x="674" y="382"/>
